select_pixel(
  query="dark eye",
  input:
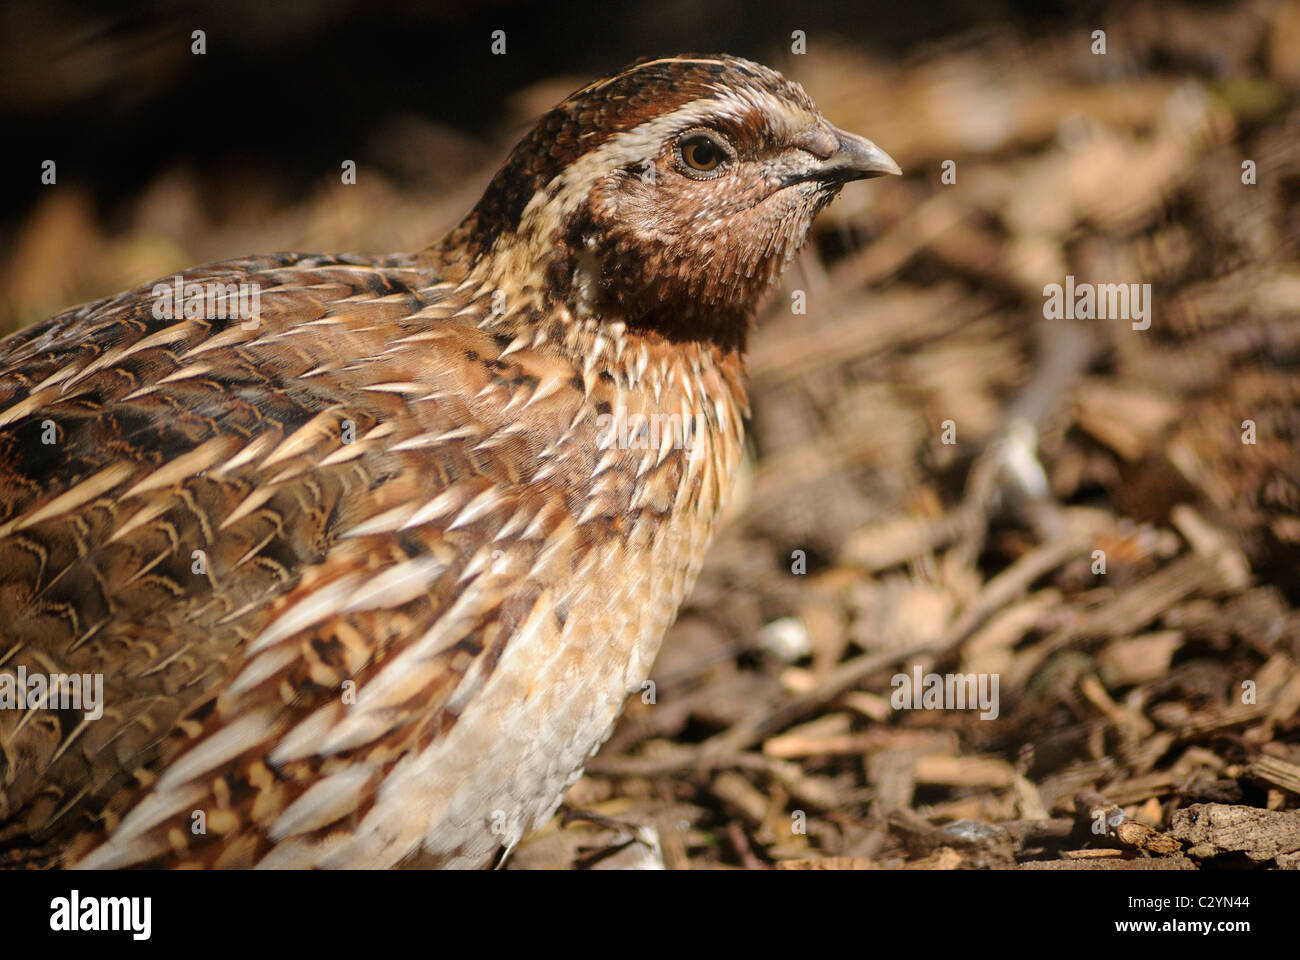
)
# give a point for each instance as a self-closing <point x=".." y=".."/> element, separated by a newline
<point x="701" y="153"/>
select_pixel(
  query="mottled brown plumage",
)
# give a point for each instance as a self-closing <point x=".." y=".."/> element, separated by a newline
<point x="369" y="575"/>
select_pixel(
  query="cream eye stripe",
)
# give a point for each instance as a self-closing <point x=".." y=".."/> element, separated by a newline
<point x="569" y="188"/>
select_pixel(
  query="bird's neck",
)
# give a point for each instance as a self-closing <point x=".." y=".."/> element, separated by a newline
<point x="561" y="275"/>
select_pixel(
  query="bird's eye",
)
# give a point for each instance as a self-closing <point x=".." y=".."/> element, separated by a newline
<point x="701" y="154"/>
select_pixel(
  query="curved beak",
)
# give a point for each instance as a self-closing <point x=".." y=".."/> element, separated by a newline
<point x="855" y="158"/>
<point x="843" y="157"/>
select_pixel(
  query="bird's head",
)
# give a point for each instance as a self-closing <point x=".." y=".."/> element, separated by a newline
<point x="666" y="197"/>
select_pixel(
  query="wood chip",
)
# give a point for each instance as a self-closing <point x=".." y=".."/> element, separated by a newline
<point x="1213" y="829"/>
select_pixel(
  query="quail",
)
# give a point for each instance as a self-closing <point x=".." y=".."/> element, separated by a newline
<point x="367" y="552"/>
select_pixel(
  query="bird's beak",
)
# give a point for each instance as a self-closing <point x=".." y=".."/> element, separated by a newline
<point x="842" y="156"/>
<point x="855" y="158"/>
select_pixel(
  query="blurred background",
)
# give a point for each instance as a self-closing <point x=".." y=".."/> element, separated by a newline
<point x="868" y="536"/>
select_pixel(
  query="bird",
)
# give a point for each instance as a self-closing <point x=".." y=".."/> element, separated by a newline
<point x="368" y="551"/>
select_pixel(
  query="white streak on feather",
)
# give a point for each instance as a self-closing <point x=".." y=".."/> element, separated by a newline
<point x="476" y="508"/>
<point x="187" y="465"/>
<point x="34" y="401"/>
<point x="397" y="585"/>
<point x="517" y="521"/>
<point x="241" y="735"/>
<point x="450" y="499"/>
<point x="397" y="387"/>
<point x="176" y="331"/>
<point x="320" y="427"/>
<point x="311" y="609"/>
<point x="262" y="668"/>
<point x="83" y="492"/>
<point x="387" y="522"/>
<point x="305" y="739"/>
<point x="547" y="387"/>
<point x="536" y="529"/>
<point x="234" y="334"/>
<point x="126" y="849"/>
<point x="58" y="376"/>
<point x="297" y="853"/>
<point x="246" y="506"/>
<point x="247" y="455"/>
<point x="328" y="800"/>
